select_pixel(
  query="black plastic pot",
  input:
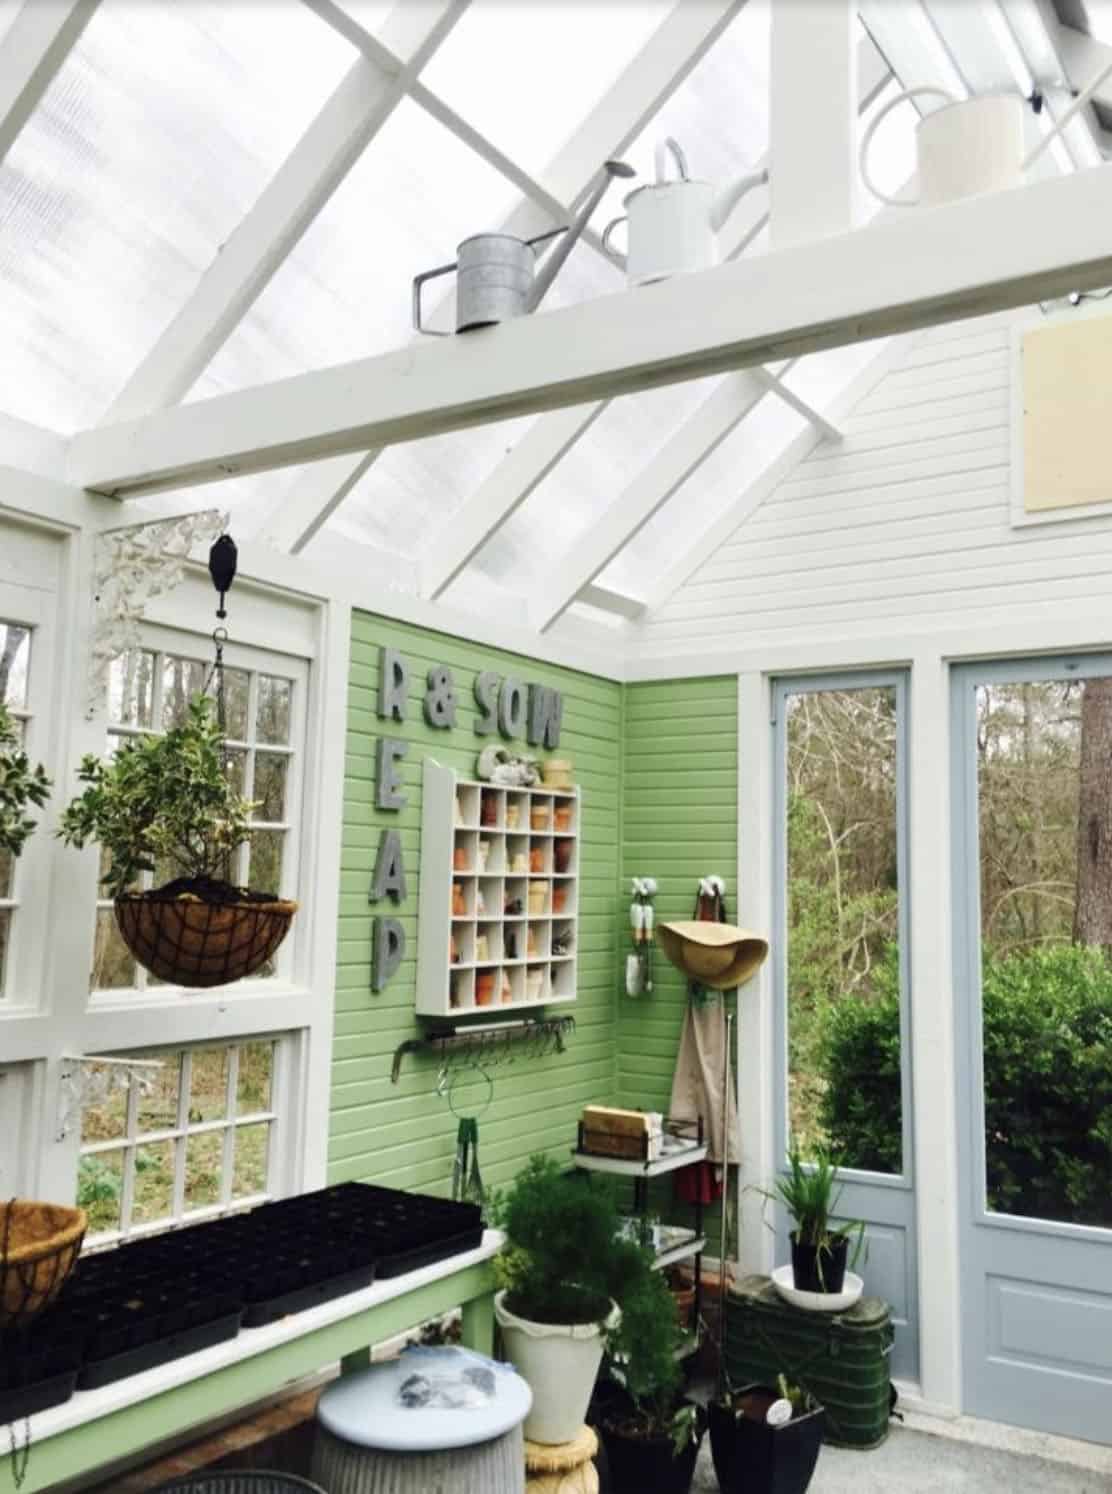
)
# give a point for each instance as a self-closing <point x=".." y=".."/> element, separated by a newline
<point x="750" y="1457"/>
<point x="820" y="1268"/>
<point x="640" y="1464"/>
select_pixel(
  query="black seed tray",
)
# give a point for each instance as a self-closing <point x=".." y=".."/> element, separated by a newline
<point x="270" y="1309"/>
<point x="38" y="1368"/>
<point x="98" y="1372"/>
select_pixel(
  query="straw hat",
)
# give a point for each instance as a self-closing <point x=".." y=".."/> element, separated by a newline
<point x="717" y="955"/>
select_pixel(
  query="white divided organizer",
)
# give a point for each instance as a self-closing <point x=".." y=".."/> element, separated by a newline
<point x="498" y="927"/>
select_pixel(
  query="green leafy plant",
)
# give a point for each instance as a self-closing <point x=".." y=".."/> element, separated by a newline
<point x="810" y="1193"/>
<point x="800" y="1400"/>
<point x="566" y="1258"/>
<point x="21" y="784"/>
<point x="161" y="800"/>
<point x="1048" y="1099"/>
<point x="644" y="1349"/>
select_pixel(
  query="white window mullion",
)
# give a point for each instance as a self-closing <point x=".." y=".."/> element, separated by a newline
<point x="228" y="1158"/>
<point x="131" y="1127"/>
<point x="180" y="1146"/>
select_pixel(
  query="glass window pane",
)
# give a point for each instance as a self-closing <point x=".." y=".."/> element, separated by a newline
<point x="237" y="769"/>
<point x="842" y="897"/>
<point x="269" y="792"/>
<point x="253" y="1087"/>
<point x="158" y="1099"/>
<point x="105" y="1119"/>
<point x="237" y="685"/>
<point x="249" y="1171"/>
<point x="154" y="1182"/>
<point x="5" y="940"/>
<point x="273" y="723"/>
<point x="131" y="689"/>
<point x="204" y="1164"/>
<point x="182" y="679"/>
<point x="15" y="652"/>
<point x="266" y="861"/>
<point x="208" y="1089"/>
<point x="1044" y="766"/>
<point x="100" y="1186"/>
<point x="113" y="967"/>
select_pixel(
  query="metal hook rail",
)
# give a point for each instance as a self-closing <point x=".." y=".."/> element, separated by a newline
<point x="489" y="1045"/>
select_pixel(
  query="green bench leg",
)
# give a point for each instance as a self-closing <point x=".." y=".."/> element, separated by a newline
<point x="477" y="1329"/>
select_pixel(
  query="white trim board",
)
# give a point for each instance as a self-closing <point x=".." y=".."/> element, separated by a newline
<point x="895" y="275"/>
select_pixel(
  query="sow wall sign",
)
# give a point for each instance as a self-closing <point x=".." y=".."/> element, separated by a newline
<point x="505" y="705"/>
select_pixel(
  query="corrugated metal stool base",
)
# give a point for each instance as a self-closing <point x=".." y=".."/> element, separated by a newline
<point x="562" y="1469"/>
<point x="496" y="1467"/>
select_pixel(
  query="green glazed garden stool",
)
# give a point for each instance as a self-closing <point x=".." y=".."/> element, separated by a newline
<point x="433" y="1421"/>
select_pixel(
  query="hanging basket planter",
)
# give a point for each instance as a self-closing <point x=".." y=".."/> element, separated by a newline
<point x="201" y="933"/>
<point x="39" y="1245"/>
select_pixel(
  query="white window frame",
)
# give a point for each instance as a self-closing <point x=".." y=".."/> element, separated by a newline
<point x="277" y="1115"/>
<point x="254" y="661"/>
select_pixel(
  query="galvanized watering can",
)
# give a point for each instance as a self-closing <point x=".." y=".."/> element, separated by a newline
<point x="674" y="221"/>
<point x="497" y="274"/>
<point x="969" y="146"/>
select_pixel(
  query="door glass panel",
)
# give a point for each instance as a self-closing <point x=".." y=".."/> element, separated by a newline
<point x="842" y="913"/>
<point x="1044" y="771"/>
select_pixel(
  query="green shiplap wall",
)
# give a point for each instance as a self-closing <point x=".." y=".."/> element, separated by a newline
<point x="404" y="1135"/>
<point x="679" y="815"/>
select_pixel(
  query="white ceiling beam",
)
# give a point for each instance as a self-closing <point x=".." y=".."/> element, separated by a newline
<point x="315" y="498"/>
<point x="682" y="567"/>
<point x="896" y="275"/>
<point x="36" y="44"/>
<point x="821" y="423"/>
<point x="32" y="448"/>
<point x="813" y="92"/>
<point x="318" y="163"/>
<point x="676" y="46"/>
<point x="523" y="469"/>
<point x="680" y="457"/>
<point x="606" y="599"/>
<point x="1084" y="57"/>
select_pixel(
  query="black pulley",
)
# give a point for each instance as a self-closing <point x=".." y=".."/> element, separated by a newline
<point x="222" y="567"/>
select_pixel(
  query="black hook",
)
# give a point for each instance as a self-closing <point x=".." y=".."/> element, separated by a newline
<point x="222" y="568"/>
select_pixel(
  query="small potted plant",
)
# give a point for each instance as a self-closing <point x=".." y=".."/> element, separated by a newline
<point x="167" y="801"/>
<point x="22" y="785"/>
<point x="820" y="1244"/>
<point x="765" y="1440"/>
<point x="565" y="1272"/>
<point x="652" y="1432"/>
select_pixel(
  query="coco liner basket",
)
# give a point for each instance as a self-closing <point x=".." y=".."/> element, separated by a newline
<point x="39" y="1244"/>
<point x="202" y="933"/>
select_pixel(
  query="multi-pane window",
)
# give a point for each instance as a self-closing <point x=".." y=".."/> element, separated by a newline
<point x="197" y="1139"/>
<point x="15" y="654"/>
<point x="149" y="692"/>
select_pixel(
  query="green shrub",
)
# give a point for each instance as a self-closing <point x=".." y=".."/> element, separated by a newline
<point x="22" y="784"/>
<point x="1048" y="1081"/>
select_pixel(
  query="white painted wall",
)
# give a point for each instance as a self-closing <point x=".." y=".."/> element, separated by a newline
<point x="903" y="527"/>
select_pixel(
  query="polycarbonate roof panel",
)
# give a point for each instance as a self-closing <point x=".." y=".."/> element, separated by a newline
<point x="158" y="133"/>
<point x="344" y="291"/>
<point x="526" y="74"/>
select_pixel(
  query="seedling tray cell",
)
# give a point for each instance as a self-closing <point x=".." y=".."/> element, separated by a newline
<point x="270" y="1309"/>
<point x="98" y="1372"/>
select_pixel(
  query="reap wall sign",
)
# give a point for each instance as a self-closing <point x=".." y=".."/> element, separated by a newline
<point x="504" y="704"/>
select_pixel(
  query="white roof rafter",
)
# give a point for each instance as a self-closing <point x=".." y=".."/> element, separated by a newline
<point x="36" y="44"/>
<point x="676" y="47"/>
<point x="357" y="110"/>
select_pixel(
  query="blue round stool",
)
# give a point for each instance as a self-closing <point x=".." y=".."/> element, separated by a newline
<point x="433" y="1421"/>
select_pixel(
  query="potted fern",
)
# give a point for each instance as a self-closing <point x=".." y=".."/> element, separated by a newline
<point x="820" y="1244"/>
<point x="23" y="785"/>
<point x="166" y="801"/>
<point x="652" y="1432"/>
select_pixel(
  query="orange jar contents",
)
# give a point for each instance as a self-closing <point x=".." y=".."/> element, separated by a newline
<point x="484" y="988"/>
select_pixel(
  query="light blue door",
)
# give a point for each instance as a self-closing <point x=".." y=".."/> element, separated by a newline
<point x="1032" y="877"/>
<point x="840" y="959"/>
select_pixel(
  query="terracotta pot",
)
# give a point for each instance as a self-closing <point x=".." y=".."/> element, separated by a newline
<point x="507" y="990"/>
<point x="459" y="906"/>
<point x="513" y="816"/>
<point x="459" y="859"/>
<point x="563" y="851"/>
<point x="484" y="988"/>
<point x="559" y="899"/>
<point x="489" y="813"/>
<point x="562" y="817"/>
<point x="540" y="817"/>
<point x="536" y="859"/>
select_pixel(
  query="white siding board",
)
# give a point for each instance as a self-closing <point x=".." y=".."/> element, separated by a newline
<point x="903" y="526"/>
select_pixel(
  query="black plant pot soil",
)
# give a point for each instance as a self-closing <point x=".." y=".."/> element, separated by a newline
<point x="750" y="1457"/>
<point x="820" y="1268"/>
<point x="647" y="1465"/>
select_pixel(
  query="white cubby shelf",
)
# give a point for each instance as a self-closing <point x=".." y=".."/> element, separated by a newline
<point x="499" y="903"/>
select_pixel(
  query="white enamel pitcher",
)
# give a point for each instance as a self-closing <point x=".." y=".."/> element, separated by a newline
<point x="674" y="221"/>
<point x="969" y="146"/>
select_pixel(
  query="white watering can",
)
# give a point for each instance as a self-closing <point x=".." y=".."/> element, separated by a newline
<point x="970" y="146"/>
<point x="674" y="222"/>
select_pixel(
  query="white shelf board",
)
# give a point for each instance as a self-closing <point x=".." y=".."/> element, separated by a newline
<point x="627" y="1167"/>
<point x="684" y="1250"/>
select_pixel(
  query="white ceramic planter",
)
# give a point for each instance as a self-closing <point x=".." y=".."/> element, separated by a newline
<point x="560" y="1362"/>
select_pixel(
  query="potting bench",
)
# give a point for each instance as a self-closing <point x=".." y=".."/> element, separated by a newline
<point x="99" y="1427"/>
